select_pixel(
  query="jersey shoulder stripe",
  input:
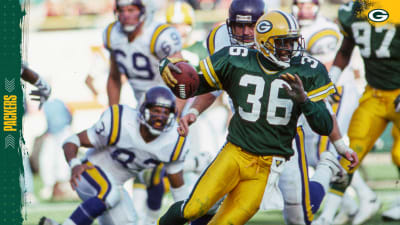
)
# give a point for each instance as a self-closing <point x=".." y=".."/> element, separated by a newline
<point x="115" y="130"/>
<point x="156" y="34"/>
<point x="321" y="34"/>
<point x="321" y="92"/>
<point x="176" y="153"/>
<point x="211" y="39"/>
<point x="108" y="35"/>
<point x="209" y="73"/>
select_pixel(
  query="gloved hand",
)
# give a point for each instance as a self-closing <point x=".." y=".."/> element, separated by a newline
<point x="397" y="104"/>
<point x="296" y="89"/>
<point x="166" y="65"/>
<point x="42" y="93"/>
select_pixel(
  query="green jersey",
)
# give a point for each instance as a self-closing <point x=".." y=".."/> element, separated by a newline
<point x="379" y="47"/>
<point x="194" y="53"/>
<point x="265" y="116"/>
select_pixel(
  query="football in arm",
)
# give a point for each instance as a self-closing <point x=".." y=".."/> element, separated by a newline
<point x="188" y="80"/>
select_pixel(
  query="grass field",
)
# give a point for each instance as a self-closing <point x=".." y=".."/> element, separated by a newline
<point x="383" y="178"/>
<point x="61" y="210"/>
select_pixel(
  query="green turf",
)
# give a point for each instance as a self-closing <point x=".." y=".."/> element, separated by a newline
<point x="379" y="172"/>
<point x="61" y="210"/>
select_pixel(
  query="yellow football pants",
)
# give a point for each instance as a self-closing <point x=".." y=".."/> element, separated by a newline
<point x="396" y="146"/>
<point x="241" y="175"/>
<point x="375" y="111"/>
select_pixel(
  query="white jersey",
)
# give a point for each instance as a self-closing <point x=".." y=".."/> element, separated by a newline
<point x="218" y="39"/>
<point x="321" y="39"/>
<point x="120" y="150"/>
<point x="139" y="59"/>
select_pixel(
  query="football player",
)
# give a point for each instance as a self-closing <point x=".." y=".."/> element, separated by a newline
<point x="136" y="48"/>
<point x="124" y="142"/>
<point x="379" y="48"/>
<point x="322" y="37"/>
<point x="44" y="89"/>
<point x="267" y="87"/>
<point x="181" y="16"/>
<point x="41" y="95"/>
<point x="237" y="31"/>
<point x="136" y="45"/>
<point x="220" y="37"/>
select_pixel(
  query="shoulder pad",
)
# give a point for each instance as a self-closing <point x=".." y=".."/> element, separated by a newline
<point x="326" y="37"/>
<point x="217" y="39"/>
<point x="107" y="35"/>
<point x="114" y="113"/>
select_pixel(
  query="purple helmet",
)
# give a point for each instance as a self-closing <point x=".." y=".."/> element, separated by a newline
<point x="162" y="97"/>
<point x="242" y="12"/>
<point x="304" y="15"/>
<point x="128" y="28"/>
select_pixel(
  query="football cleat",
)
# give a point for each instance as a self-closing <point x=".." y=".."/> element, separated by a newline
<point x="368" y="208"/>
<point x="392" y="214"/>
<point x="47" y="221"/>
<point x="347" y="212"/>
<point x="339" y="175"/>
<point x="343" y="217"/>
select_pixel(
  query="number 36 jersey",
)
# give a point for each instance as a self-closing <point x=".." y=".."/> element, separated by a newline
<point x="139" y="59"/>
<point x="120" y="149"/>
<point x="265" y="117"/>
<point x="379" y="47"/>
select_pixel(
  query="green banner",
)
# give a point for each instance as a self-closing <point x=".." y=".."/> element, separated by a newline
<point x="11" y="169"/>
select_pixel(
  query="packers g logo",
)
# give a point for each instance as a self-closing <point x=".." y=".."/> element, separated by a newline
<point x="378" y="15"/>
<point x="264" y="26"/>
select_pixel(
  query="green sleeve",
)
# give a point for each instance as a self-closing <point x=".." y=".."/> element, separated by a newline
<point x="316" y="81"/>
<point x="216" y="68"/>
<point x="318" y="117"/>
<point x="346" y="14"/>
<point x="203" y="86"/>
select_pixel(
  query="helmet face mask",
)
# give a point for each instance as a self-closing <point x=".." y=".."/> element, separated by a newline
<point x="243" y="14"/>
<point x="241" y="33"/>
<point x="131" y="14"/>
<point x="278" y="38"/>
<point x="305" y="11"/>
<point x="285" y="47"/>
<point x="157" y="118"/>
<point x="157" y="110"/>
